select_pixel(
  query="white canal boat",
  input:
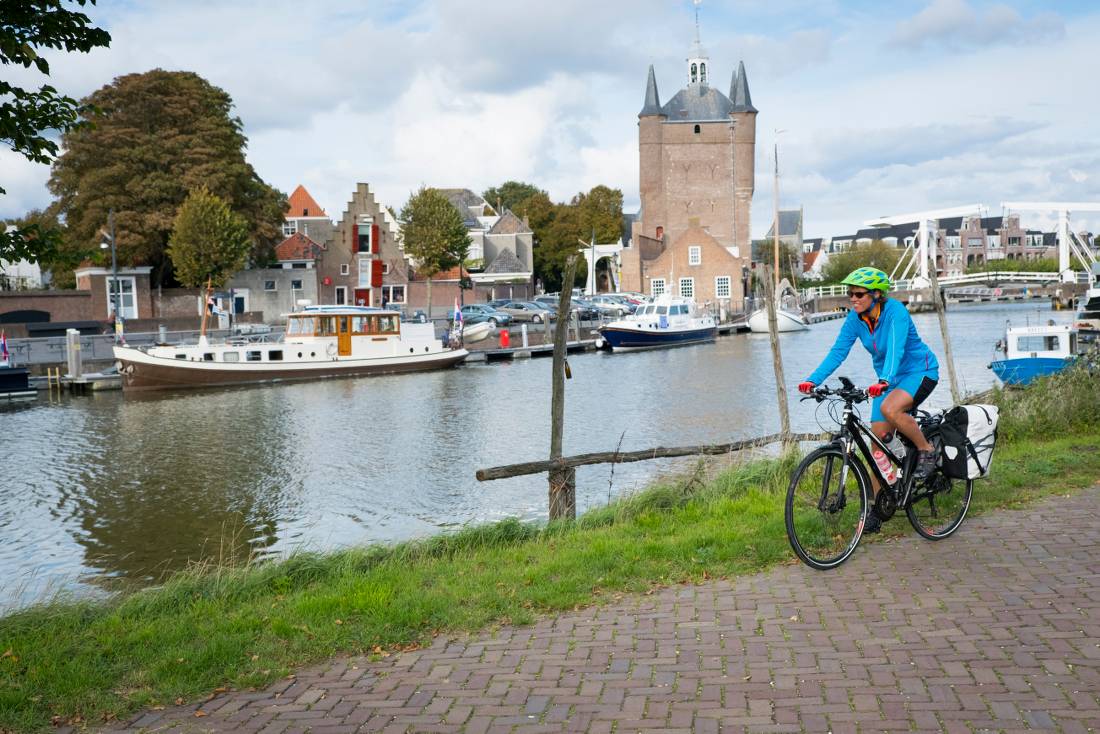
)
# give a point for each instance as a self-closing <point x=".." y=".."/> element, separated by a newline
<point x="667" y="322"/>
<point x="320" y="341"/>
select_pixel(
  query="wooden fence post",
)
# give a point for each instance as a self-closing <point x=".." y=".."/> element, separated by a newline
<point x="563" y="482"/>
<point x="937" y="301"/>
<point x="777" y="355"/>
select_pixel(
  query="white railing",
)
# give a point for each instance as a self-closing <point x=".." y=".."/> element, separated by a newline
<point x="999" y="276"/>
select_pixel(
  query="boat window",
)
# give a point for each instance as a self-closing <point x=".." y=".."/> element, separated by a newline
<point x="326" y="326"/>
<point x="254" y="356"/>
<point x="181" y="356"/>
<point x="231" y="357"/>
<point x="662" y="309"/>
<point x="208" y="357"/>
<point x="1037" y="343"/>
<point x="300" y="326"/>
<point x="275" y="355"/>
<point x="387" y="324"/>
<point x="344" y="324"/>
<point x="360" y="325"/>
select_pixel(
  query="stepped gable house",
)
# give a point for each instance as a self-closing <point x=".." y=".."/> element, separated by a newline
<point x="363" y="262"/>
<point x="696" y="156"/>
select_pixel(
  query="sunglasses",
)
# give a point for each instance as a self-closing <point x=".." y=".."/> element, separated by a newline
<point x="857" y="294"/>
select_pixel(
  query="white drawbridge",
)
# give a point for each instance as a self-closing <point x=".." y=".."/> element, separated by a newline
<point x="1070" y="246"/>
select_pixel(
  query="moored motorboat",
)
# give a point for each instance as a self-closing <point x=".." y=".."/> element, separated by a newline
<point x="320" y="341"/>
<point x="1035" y="351"/>
<point x="476" y="332"/>
<point x="668" y="321"/>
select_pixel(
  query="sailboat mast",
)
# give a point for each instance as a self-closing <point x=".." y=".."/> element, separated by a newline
<point x="775" y="226"/>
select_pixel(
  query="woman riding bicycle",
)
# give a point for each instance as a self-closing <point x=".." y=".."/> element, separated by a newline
<point x="906" y="367"/>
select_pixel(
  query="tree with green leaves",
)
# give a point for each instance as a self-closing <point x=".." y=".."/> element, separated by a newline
<point x="790" y="258"/>
<point x="876" y="254"/>
<point x="435" y="237"/>
<point x="26" y="27"/>
<point x="509" y="194"/>
<point x="157" y="137"/>
<point x="209" y="242"/>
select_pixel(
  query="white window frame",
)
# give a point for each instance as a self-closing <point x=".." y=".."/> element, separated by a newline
<point x="341" y="295"/>
<point x="364" y="270"/>
<point x="127" y="300"/>
<point x="274" y="286"/>
<point x="695" y="255"/>
<point x="344" y="268"/>
<point x="290" y="228"/>
<point x="657" y="286"/>
<point x="723" y="282"/>
<point x="389" y="290"/>
<point x="300" y="283"/>
<point x="690" y="282"/>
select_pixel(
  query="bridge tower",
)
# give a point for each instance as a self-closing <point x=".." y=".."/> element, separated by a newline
<point x="1069" y="246"/>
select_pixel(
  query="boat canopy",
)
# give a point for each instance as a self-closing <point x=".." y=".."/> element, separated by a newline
<point x="1041" y="341"/>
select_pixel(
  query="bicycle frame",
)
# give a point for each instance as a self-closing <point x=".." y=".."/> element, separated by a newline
<point x="855" y="432"/>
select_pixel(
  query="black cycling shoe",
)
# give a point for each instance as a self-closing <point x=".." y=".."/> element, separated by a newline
<point x="926" y="464"/>
<point x="873" y="523"/>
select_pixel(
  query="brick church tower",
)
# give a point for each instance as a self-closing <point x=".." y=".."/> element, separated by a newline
<point x="696" y="161"/>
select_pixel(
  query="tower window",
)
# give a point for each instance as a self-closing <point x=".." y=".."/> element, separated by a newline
<point x="697" y="129"/>
<point x="703" y="73"/>
<point x="694" y="73"/>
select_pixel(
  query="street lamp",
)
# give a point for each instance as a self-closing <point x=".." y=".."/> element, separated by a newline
<point x="109" y="241"/>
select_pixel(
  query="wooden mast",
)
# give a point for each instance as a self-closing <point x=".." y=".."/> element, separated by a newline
<point x="205" y="310"/>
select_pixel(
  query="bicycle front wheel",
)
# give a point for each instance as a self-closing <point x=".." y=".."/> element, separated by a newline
<point x="936" y="508"/>
<point x="826" y="508"/>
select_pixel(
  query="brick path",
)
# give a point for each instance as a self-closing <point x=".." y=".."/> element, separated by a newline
<point x="997" y="628"/>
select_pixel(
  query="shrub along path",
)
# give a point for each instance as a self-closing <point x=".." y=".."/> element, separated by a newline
<point x="995" y="628"/>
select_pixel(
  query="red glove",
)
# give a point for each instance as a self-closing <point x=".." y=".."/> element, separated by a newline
<point x="877" y="389"/>
<point x="805" y="387"/>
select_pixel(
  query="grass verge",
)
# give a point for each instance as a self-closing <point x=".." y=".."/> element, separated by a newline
<point x="214" y="628"/>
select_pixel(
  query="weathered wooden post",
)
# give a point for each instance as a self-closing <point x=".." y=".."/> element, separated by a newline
<point x="937" y="301"/>
<point x="563" y="482"/>
<point x="777" y="356"/>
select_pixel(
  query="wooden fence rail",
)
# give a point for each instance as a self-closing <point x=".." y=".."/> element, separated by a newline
<point x="623" y="457"/>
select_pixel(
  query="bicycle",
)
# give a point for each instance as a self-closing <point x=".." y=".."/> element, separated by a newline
<point x="825" y="522"/>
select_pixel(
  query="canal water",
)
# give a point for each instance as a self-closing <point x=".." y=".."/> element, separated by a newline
<point x="113" y="488"/>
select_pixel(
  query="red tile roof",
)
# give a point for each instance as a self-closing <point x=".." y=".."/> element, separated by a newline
<point x="297" y="247"/>
<point x="301" y="204"/>
<point x="808" y="260"/>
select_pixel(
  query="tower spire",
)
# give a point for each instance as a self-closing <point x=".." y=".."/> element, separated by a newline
<point x="739" y="91"/>
<point x="698" y="61"/>
<point x="652" y="100"/>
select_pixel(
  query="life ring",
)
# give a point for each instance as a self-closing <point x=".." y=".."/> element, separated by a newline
<point x="331" y="350"/>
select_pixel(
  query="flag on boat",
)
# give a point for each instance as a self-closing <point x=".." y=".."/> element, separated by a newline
<point x="458" y="315"/>
<point x="3" y="348"/>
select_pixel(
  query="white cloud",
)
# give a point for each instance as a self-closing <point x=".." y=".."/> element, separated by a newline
<point x="956" y="24"/>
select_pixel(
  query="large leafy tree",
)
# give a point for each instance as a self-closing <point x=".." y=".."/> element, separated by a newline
<point x="509" y="194"/>
<point x="876" y="254"/>
<point x="158" y="136"/>
<point x="435" y="237"/>
<point x="559" y="228"/>
<point x="209" y="242"/>
<point x="26" y="115"/>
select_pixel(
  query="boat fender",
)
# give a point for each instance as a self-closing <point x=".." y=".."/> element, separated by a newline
<point x="331" y="350"/>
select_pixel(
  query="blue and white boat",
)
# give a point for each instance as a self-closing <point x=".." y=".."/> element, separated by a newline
<point x="1035" y="351"/>
<point x="667" y="322"/>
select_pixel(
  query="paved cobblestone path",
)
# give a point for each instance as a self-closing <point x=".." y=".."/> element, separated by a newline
<point x="997" y="628"/>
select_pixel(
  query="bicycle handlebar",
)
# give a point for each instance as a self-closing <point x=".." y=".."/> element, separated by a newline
<point x="847" y="392"/>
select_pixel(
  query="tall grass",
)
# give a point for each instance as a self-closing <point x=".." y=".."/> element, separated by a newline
<point x="1063" y="403"/>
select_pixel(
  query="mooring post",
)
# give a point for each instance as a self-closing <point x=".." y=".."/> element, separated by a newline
<point x="777" y="356"/>
<point x="937" y="302"/>
<point x="563" y="482"/>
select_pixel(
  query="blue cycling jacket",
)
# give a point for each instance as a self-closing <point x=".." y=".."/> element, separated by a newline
<point x="896" y="348"/>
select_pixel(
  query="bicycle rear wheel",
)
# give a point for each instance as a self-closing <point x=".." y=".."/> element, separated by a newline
<point x="937" y="507"/>
<point x="824" y="517"/>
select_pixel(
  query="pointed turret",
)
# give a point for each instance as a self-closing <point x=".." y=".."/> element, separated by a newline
<point x="739" y="91"/>
<point x="652" y="101"/>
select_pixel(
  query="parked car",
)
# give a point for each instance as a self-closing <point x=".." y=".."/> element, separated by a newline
<point x="610" y="305"/>
<point x="528" y="311"/>
<point x="584" y="311"/>
<point x="601" y="308"/>
<point x="498" y="302"/>
<point x="475" y="313"/>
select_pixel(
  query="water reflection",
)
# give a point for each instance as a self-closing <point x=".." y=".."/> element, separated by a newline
<point x="126" y="487"/>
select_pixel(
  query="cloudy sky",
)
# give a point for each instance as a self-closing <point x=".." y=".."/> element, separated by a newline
<point x="887" y="107"/>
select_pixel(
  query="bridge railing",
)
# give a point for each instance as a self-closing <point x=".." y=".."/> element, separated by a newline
<point x="992" y="277"/>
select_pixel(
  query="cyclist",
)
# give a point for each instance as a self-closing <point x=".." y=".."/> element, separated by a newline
<point x="906" y="367"/>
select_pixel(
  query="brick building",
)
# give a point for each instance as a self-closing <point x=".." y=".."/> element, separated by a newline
<point x="362" y="262"/>
<point x="696" y="158"/>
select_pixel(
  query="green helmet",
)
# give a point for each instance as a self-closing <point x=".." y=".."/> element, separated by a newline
<point x="872" y="279"/>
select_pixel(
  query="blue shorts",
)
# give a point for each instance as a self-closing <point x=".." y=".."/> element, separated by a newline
<point x="919" y="385"/>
